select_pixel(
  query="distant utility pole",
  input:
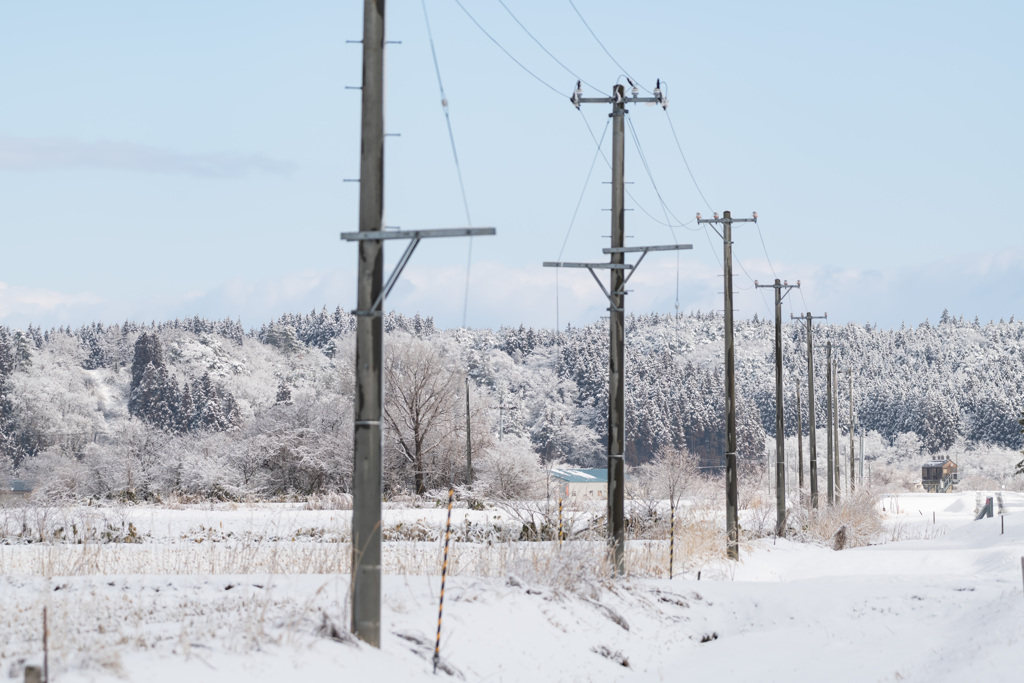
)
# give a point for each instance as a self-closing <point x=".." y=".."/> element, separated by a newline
<point x="371" y="292"/>
<point x="799" y="441"/>
<point x="812" y="437"/>
<point x="828" y="423"/>
<point x="837" y="463"/>
<point x="862" y="455"/>
<point x="732" y="527"/>
<point x="853" y="428"/>
<point x="780" y="436"/>
<point x="616" y="318"/>
<point x="469" y="441"/>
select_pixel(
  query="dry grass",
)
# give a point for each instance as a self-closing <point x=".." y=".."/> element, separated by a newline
<point x="858" y="515"/>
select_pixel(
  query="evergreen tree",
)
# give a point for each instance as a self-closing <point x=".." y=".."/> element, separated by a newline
<point x="284" y="394"/>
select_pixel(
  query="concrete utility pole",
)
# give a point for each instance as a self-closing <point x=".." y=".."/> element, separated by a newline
<point x="862" y="455"/>
<point x="780" y="435"/>
<point x="812" y="437"/>
<point x="616" y="318"/>
<point x="837" y="463"/>
<point x="469" y="441"/>
<point x="732" y="525"/>
<point x="799" y="441"/>
<point x="371" y="293"/>
<point x="853" y="428"/>
<point x="828" y="424"/>
<point x="366" y="466"/>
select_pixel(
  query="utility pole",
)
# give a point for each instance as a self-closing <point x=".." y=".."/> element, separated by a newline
<point x="828" y="423"/>
<point x="780" y="436"/>
<point x="732" y="525"/>
<point x="371" y="293"/>
<point x="811" y="424"/>
<point x="366" y="466"/>
<point x="853" y="457"/>
<point x="837" y="463"/>
<point x="799" y="441"/>
<point x="469" y="441"/>
<point x="616" y="311"/>
<point x="862" y="455"/>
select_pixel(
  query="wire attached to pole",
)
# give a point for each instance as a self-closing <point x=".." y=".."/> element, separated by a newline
<point x="455" y="156"/>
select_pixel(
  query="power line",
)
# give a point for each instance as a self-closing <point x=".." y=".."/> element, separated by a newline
<point x="582" y="192"/>
<point x="509" y="54"/>
<point x="579" y="202"/>
<point x="455" y="155"/>
<point x="546" y="51"/>
<point x="630" y="194"/>
<point x="664" y="205"/>
<point x="685" y="162"/>
<point x="631" y="79"/>
<point x="765" y="248"/>
<point x="650" y="176"/>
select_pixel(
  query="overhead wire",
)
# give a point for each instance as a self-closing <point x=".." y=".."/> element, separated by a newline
<point x="668" y="221"/>
<point x="650" y="176"/>
<point x="610" y="56"/>
<point x="509" y="54"/>
<point x="548" y="52"/>
<point x="664" y="205"/>
<point x="455" y="156"/>
<point x="572" y="222"/>
<point x="686" y="225"/>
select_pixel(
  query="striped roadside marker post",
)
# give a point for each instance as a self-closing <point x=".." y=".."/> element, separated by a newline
<point x="671" y="540"/>
<point x="444" y="573"/>
<point x="559" y="522"/>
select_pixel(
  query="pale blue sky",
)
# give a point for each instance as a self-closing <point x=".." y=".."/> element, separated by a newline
<point x="188" y="158"/>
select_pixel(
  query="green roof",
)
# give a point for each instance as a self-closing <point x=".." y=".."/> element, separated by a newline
<point x="575" y="476"/>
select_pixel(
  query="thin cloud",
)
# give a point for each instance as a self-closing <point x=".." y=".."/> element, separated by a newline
<point x="22" y="305"/>
<point x="982" y="284"/>
<point x="48" y="154"/>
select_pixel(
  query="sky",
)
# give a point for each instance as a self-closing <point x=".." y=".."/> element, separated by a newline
<point x="190" y="158"/>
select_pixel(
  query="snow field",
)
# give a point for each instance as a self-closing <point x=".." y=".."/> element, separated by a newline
<point x="945" y="605"/>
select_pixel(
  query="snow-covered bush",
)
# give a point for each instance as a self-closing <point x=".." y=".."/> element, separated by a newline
<point x="511" y="468"/>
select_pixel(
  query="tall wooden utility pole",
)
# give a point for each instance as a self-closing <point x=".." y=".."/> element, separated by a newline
<point x="732" y="525"/>
<point x="811" y="423"/>
<point x="616" y="310"/>
<point x="780" y="432"/>
<point x="370" y="295"/>
<point x="799" y="441"/>
<point x="829" y="409"/>
<point x="469" y="441"/>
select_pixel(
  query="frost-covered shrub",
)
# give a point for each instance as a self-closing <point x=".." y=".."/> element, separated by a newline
<point x="511" y="469"/>
<point x="859" y="514"/>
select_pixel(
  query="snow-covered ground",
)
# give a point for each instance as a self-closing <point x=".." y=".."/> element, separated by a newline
<point x="948" y="605"/>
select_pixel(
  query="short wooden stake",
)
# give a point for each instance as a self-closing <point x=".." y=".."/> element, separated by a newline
<point x="33" y="674"/>
<point x="1002" y="525"/>
<point x="444" y="573"/>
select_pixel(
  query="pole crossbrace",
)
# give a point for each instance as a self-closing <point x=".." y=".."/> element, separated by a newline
<point x="414" y="236"/>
